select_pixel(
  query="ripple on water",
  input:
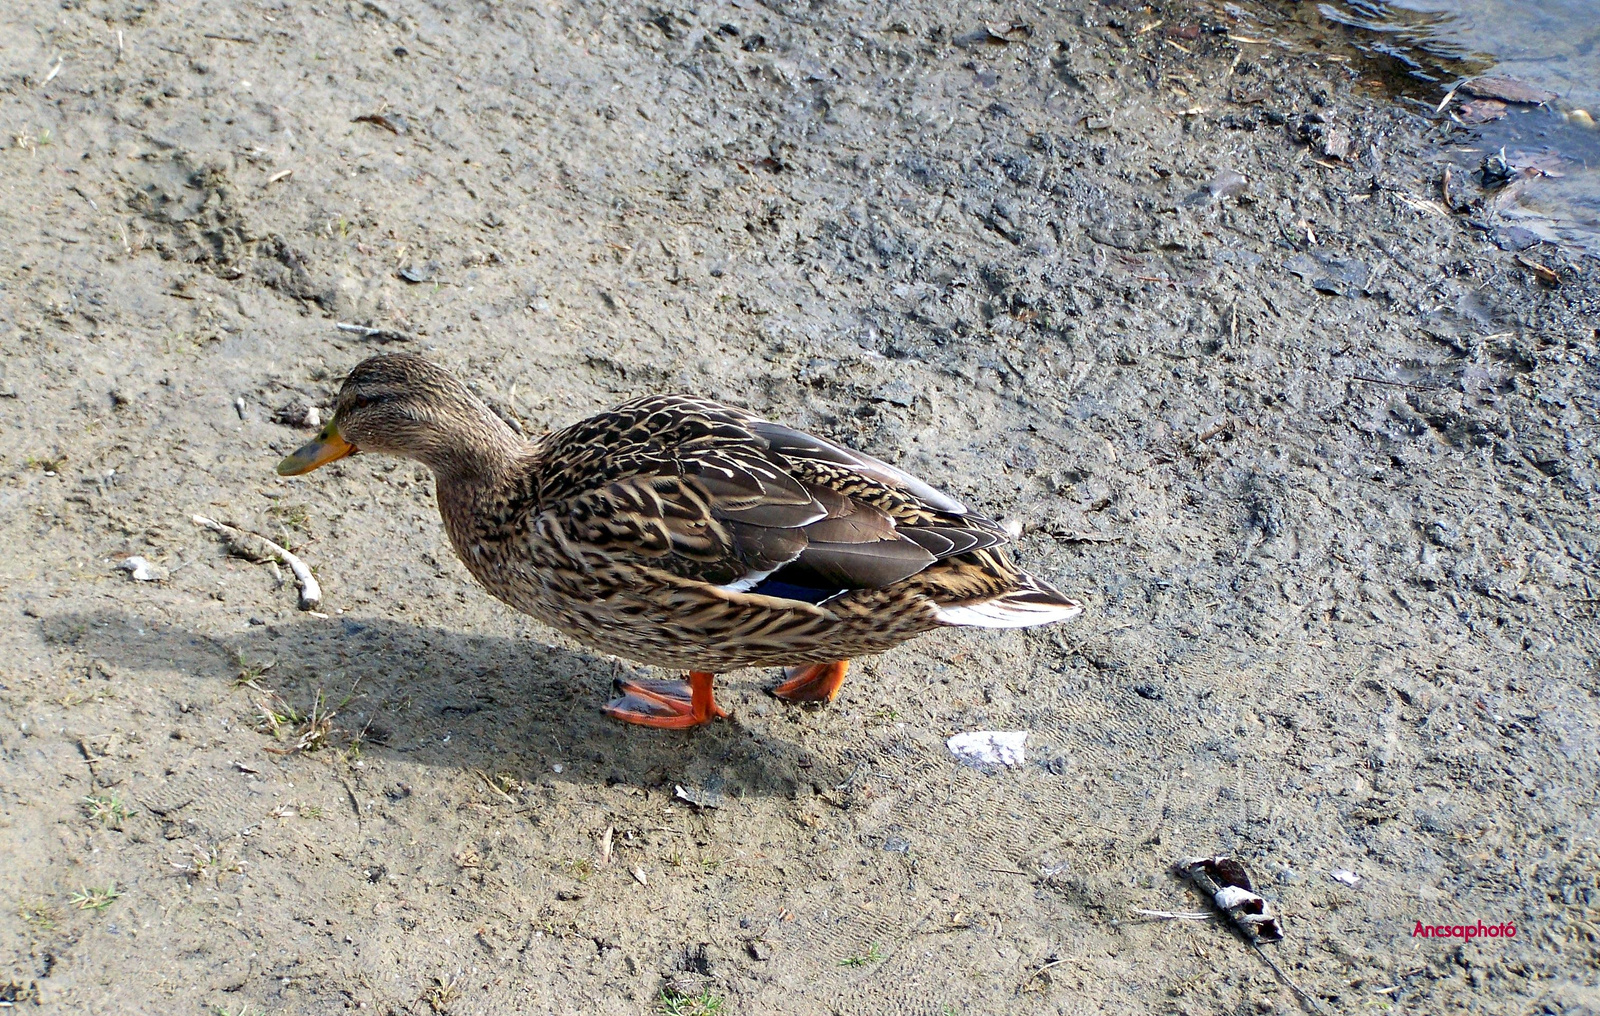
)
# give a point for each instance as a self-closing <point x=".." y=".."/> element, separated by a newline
<point x="1416" y="51"/>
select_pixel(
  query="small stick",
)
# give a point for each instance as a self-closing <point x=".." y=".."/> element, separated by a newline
<point x="60" y="61"/>
<point x="1170" y="915"/>
<point x="381" y="334"/>
<point x="1451" y="94"/>
<point x="1299" y="993"/>
<point x="262" y="549"/>
<point x="1069" y="536"/>
<point x="1029" y="979"/>
<point x="1397" y="384"/>
<point x="1213" y="432"/>
<point x="490" y="784"/>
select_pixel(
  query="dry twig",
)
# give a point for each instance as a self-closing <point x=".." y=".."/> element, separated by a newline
<point x="259" y="548"/>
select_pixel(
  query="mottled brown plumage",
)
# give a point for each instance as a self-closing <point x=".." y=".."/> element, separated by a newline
<point x="683" y="533"/>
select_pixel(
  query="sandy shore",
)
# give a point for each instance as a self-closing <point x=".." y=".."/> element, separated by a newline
<point x="1320" y="456"/>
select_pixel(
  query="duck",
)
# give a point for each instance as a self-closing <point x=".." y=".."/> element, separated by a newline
<point x="686" y="534"/>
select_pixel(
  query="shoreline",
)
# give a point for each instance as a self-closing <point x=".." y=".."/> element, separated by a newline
<point x="1320" y="457"/>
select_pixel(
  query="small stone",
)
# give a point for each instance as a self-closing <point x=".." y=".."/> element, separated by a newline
<point x="1336" y="143"/>
<point x="1481" y="110"/>
<point x="1226" y="184"/>
<point x="141" y="570"/>
<point x="758" y="950"/>
<point x="1516" y="238"/>
<point x="424" y="272"/>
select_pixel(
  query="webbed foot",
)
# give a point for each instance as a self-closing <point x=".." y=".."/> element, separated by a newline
<point x="671" y="705"/>
<point x="814" y="682"/>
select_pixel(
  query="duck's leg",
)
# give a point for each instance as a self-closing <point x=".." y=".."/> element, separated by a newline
<point x="814" y="682"/>
<point x="674" y="705"/>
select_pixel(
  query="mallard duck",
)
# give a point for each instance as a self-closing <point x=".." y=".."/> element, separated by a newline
<point x="683" y="533"/>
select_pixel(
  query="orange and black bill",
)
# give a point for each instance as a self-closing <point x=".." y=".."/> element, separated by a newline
<point x="329" y="446"/>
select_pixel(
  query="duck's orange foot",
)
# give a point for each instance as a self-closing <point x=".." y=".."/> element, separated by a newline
<point x="814" y="682"/>
<point x="672" y="705"/>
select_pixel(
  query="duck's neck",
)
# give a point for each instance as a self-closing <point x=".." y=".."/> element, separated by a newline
<point x="476" y="461"/>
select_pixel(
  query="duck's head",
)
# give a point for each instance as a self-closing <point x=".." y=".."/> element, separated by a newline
<point x="401" y="404"/>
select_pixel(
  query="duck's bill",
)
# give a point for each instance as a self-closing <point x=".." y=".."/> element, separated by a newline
<point x="330" y="446"/>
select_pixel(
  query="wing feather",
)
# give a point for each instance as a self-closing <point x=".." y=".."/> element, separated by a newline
<point x="715" y="494"/>
<point x="797" y="444"/>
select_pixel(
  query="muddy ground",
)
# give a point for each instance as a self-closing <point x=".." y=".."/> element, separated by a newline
<point x="1320" y="456"/>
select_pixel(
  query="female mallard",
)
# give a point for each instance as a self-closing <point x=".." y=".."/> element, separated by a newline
<point x="683" y="533"/>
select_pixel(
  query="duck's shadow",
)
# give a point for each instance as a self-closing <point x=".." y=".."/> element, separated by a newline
<point x="446" y="698"/>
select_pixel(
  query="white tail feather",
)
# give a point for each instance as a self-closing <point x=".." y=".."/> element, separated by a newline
<point x="1014" y="610"/>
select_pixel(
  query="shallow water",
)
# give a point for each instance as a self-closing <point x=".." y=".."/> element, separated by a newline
<point x="1551" y="43"/>
<point x="1418" y="50"/>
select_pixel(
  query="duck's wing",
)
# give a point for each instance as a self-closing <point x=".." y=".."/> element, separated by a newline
<point x="717" y="495"/>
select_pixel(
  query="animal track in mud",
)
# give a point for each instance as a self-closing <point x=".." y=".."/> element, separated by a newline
<point x="199" y="221"/>
<point x="194" y="204"/>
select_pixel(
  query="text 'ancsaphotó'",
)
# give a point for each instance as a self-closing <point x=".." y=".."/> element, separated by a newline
<point x="1467" y="931"/>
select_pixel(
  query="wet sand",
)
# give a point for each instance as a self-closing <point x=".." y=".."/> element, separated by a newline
<point x="1320" y="456"/>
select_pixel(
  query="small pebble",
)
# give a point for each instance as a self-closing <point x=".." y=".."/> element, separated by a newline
<point x="141" y="570"/>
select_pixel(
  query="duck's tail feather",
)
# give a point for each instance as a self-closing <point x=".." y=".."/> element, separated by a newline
<point x="1032" y="602"/>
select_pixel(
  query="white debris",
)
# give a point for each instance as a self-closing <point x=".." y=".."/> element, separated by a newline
<point x="1346" y="876"/>
<point x="142" y="570"/>
<point x="708" y="798"/>
<point x="988" y="748"/>
<point x="1229" y="896"/>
